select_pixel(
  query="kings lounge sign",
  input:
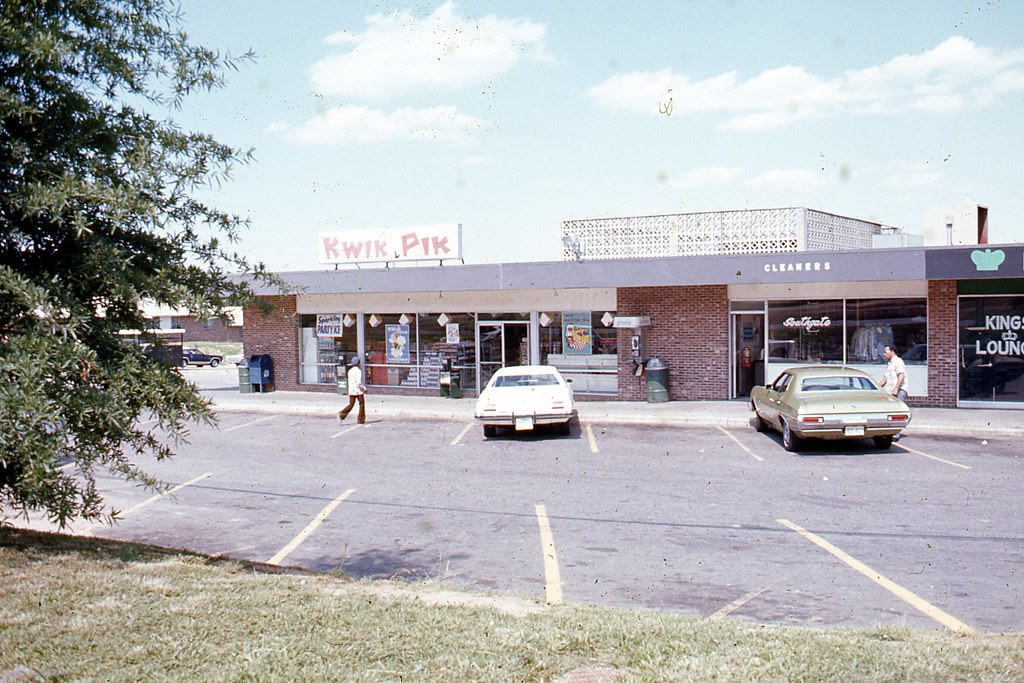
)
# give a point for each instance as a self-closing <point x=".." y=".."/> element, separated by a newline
<point x="1009" y="328"/>
<point x="422" y="243"/>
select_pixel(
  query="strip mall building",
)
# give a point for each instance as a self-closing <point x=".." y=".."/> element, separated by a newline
<point x="722" y="322"/>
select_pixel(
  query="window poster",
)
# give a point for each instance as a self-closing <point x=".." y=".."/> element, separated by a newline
<point x="328" y="325"/>
<point x="452" y="333"/>
<point x="398" y="343"/>
<point x="577" y="337"/>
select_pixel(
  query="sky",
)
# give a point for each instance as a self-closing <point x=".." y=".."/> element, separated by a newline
<point x="511" y="117"/>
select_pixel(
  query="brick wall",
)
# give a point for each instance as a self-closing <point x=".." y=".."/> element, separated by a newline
<point x="276" y="334"/>
<point x="196" y="331"/>
<point x="943" y="365"/>
<point x="689" y="332"/>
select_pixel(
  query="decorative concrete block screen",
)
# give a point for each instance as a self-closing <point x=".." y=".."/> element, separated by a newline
<point x="753" y="231"/>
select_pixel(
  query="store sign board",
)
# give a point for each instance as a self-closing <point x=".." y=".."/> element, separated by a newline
<point x="631" y="322"/>
<point x="982" y="261"/>
<point x="329" y="325"/>
<point x="429" y="242"/>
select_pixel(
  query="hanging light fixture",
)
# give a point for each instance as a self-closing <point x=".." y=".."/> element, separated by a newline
<point x="348" y="321"/>
<point x="374" y="320"/>
<point x="443" y="319"/>
<point x="545" y="320"/>
<point x="607" y="319"/>
<point x="404" y="319"/>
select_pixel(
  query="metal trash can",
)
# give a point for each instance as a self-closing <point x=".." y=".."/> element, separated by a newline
<point x="455" y="388"/>
<point x="445" y="379"/>
<point x="657" y="381"/>
<point x="261" y="373"/>
<point x="244" y="387"/>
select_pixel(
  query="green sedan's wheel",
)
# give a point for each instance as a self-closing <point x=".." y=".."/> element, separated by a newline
<point x="490" y="430"/>
<point x="790" y="441"/>
<point x="883" y="442"/>
<point x="759" y="423"/>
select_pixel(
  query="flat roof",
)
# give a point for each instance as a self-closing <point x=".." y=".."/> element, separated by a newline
<point x="862" y="265"/>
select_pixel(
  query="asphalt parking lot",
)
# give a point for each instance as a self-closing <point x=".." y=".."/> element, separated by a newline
<point x="705" y="521"/>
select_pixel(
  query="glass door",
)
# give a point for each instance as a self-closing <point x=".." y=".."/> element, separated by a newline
<point x="747" y="353"/>
<point x="501" y="344"/>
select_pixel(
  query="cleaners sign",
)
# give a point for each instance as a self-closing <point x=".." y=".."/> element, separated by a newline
<point x="424" y="243"/>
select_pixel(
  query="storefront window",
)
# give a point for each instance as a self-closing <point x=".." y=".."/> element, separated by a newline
<point x="872" y="324"/>
<point x="391" y="351"/>
<point x="319" y="355"/>
<point x="442" y="338"/>
<point x="583" y="348"/>
<point x="991" y="351"/>
<point x="805" y="331"/>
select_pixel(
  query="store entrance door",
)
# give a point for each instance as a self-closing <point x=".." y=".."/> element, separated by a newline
<point x="747" y="352"/>
<point x="501" y="344"/>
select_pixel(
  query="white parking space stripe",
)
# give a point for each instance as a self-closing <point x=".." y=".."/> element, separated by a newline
<point x="153" y="499"/>
<point x="456" y="440"/>
<point x="932" y="457"/>
<point x="250" y="424"/>
<point x="591" y="439"/>
<point x="752" y="454"/>
<point x="902" y="593"/>
<point x="346" y="431"/>
<point x="736" y="604"/>
<point x="310" y="528"/>
<point x="552" y="577"/>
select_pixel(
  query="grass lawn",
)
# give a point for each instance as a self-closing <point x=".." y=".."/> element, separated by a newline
<point x="81" y="609"/>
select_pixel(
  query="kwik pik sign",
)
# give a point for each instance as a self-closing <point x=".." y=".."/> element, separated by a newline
<point x="423" y="243"/>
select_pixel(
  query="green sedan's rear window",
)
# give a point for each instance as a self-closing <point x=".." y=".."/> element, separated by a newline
<point x="836" y="384"/>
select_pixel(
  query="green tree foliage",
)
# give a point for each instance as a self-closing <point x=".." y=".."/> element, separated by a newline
<point x="98" y="212"/>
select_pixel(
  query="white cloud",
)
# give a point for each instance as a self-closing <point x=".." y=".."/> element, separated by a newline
<point x="707" y="176"/>
<point x="905" y="176"/>
<point x="787" y="179"/>
<point x="276" y="127"/>
<point x="398" y="53"/>
<point x="474" y="161"/>
<point x="354" y="124"/>
<point x="953" y="76"/>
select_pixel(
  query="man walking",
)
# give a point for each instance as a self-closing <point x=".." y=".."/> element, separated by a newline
<point x="895" y="380"/>
<point x="356" y="392"/>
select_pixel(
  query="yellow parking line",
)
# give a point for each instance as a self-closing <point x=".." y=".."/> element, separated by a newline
<point x="456" y="440"/>
<point x="310" y="528"/>
<point x="590" y="437"/>
<point x="346" y="431"/>
<point x="752" y="454"/>
<point x="902" y="593"/>
<point x="250" y="424"/>
<point x="932" y="457"/>
<point x="736" y="604"/>
<point x="552" y="577"/>
<point x="153" y="499"/>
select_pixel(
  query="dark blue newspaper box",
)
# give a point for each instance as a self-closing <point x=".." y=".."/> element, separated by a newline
<point x="261" y="373"/>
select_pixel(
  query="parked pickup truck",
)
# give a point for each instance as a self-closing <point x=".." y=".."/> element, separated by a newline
<point x="198" y="357"/>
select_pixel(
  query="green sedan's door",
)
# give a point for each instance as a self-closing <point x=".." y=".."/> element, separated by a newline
<point x="774" y="397"/>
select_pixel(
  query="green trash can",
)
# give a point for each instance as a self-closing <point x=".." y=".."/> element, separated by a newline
<point x="244" y="387"/>
<point x="657" y="381"/>
<point x="455" y="387"/>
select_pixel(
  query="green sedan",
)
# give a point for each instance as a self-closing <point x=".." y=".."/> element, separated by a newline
<point x="828" y="402"/>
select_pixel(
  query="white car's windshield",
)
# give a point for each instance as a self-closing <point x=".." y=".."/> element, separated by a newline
<point x="837" y="384"/>
<point x="526" y="380"/>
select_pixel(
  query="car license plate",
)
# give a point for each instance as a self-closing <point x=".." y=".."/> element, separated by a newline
<point x="854" y="431"/>
<point x="524" y="423"/>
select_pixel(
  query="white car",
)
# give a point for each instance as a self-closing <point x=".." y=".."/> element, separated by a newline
<point x="525" y="396"/>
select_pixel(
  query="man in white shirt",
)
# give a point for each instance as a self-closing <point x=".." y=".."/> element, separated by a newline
<point x="895" y="380"/>
<point x="356" y="392"/>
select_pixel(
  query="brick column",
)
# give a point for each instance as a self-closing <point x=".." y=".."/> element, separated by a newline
<point x="689" y="331"/>
<point x="276" y="334"/>
<point x="943" y="360"/>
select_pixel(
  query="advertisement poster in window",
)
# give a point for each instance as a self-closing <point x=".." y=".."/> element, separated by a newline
<point x="452" y="333"/>
<point x="398" y="343"/>
<point x="328" y="325"/>
<point x="577" y="336"/>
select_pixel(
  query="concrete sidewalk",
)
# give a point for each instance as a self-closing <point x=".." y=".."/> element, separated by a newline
<point x="981" y="423"/>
